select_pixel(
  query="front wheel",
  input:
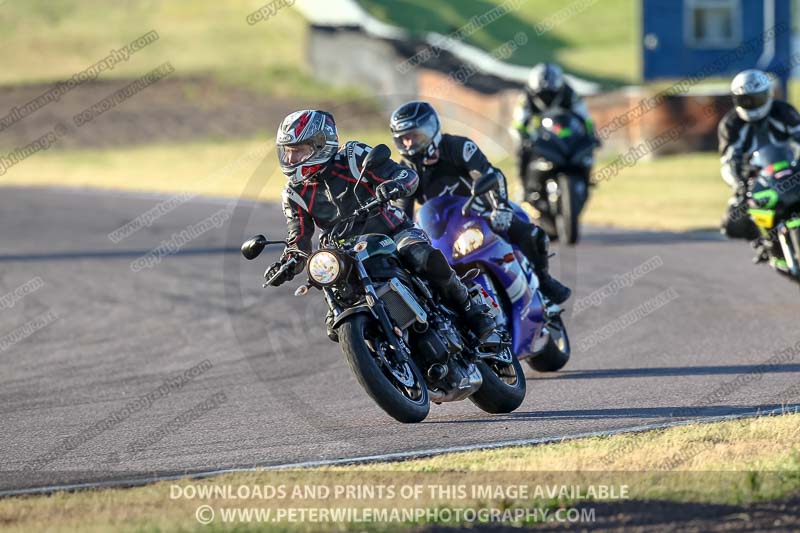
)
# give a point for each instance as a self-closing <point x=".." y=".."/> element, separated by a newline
<point x="503" y="388"/>
<point x="398" y="388"/>
<point x="568" y="210"/>
<point x="557" y="350"/>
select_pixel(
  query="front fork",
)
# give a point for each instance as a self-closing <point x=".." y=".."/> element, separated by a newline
<point x="789" y="239"/>
<point x="393" y="334"/>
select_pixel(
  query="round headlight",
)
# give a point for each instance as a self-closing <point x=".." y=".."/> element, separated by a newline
<point x="324" y="267"/>
<point x="470" y="240"/>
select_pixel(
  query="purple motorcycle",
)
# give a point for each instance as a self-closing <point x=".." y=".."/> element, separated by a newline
<point x="538" y="334"/>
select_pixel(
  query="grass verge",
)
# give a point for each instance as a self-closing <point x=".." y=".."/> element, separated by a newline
<point x="731" y="462"/>
<point x="598" y="42"/>
<point x="54" y="39"/>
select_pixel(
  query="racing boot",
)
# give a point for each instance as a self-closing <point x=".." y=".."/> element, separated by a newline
<point x="477" y="317"/>
<point x="536" y="248"/>
<point x="554" y="290"/>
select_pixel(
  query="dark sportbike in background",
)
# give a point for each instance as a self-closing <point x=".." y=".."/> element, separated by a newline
<point x="773" y="203"/>
<point x="556" y="180"/>
<point x="404" y="345"/>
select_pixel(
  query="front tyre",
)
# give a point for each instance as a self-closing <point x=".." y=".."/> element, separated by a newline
<point x="503" y="388"/>
<point x="557" y="351"/>
<point x="568" y="211"/>
<point x="400" y="390"/>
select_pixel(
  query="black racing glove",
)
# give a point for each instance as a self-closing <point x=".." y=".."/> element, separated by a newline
<point x="388" y="190"/>
<point x="286" y="275"/>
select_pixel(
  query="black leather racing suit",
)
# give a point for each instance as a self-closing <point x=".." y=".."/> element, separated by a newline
<point x="330" y="195"/>
<point x="738" y="140"/>
<point x="450" y="174"/>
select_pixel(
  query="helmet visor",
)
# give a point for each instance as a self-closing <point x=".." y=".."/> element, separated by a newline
<point x="294" y="155"/>
<point x="751" y="101"/>
<point x="416" y="140"/>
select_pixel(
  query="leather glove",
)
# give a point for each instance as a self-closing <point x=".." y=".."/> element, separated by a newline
<point x="388" y="190"/>
<point x="287" y="275"/>
<point x="500" y="219"/>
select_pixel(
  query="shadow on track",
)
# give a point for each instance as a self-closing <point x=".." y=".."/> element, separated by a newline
<point x="631" y="238"/>
<point x="662" y="413"/>
<point x="111" y="254"/>
<point x="673" y="371"/>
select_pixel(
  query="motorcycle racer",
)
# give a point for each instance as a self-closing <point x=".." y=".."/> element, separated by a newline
<point x="757" y="119"/>
<point x="445" y="163"/>
<point x="321" y="190"/>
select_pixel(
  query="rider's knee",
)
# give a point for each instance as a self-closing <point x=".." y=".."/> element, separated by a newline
<point x="437" y="265"/>
<point x="415" y="256"/>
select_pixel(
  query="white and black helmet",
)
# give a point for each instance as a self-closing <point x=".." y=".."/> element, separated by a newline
<point x="416" y="129"/>
<point x="751" y="91"/>
<point x="545" y="84"/>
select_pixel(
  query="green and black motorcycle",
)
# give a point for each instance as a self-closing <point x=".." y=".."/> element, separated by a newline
<point x="773" y="204"/>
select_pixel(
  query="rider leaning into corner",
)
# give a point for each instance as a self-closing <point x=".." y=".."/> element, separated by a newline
<point x="756" y="119"/>
<point x="545" y="92"/>
<point x="446" y="164"/>
<point x="320" y="191"/>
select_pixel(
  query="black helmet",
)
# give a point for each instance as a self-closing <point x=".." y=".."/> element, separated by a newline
<point x="546" y="83"/>
<point x="416" y="129"/>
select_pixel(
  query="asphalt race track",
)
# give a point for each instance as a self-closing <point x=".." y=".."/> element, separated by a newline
<point x="95" y="336"/>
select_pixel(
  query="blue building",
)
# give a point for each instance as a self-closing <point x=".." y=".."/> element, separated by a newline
<point x="705" y="38"/>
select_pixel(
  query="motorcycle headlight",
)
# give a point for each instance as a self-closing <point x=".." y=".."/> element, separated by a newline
<point x="324" y="267"/>
<point x="470" y="240"/>
<point x="543" y="164"/>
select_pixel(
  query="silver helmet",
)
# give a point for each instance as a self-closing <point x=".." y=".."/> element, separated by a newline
<point x="751" y="91"/>
<point x="546" y="83"/>
<point x="306" y="141"/>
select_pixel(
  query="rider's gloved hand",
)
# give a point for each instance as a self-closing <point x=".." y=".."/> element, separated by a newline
<point x="501" y="217"/>
<point x="388" y="190"/>
<point x="287" y="274"/>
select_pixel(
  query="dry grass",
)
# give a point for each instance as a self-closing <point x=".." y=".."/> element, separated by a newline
<point x="727" y="462"/>
<point x="673" y="193"/>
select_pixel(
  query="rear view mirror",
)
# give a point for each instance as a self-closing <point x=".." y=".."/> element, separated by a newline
<point x="377" y="156"/>
<point x="252" y="247"/>
<point x="484" y="184"/>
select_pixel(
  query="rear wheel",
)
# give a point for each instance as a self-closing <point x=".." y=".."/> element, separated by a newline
<point x="503" y="388"/>
<point x="557" y="351"/>
<point x="398" y="388"/>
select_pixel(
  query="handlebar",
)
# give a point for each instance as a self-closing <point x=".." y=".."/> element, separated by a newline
<point x="291" y="262"/>
<point x="357" y="214"/>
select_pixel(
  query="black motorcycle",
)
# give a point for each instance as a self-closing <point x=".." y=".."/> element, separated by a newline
<point x="404" y="345"/>
<point x="773" y="203"/>
<point x="555" y="180"/>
